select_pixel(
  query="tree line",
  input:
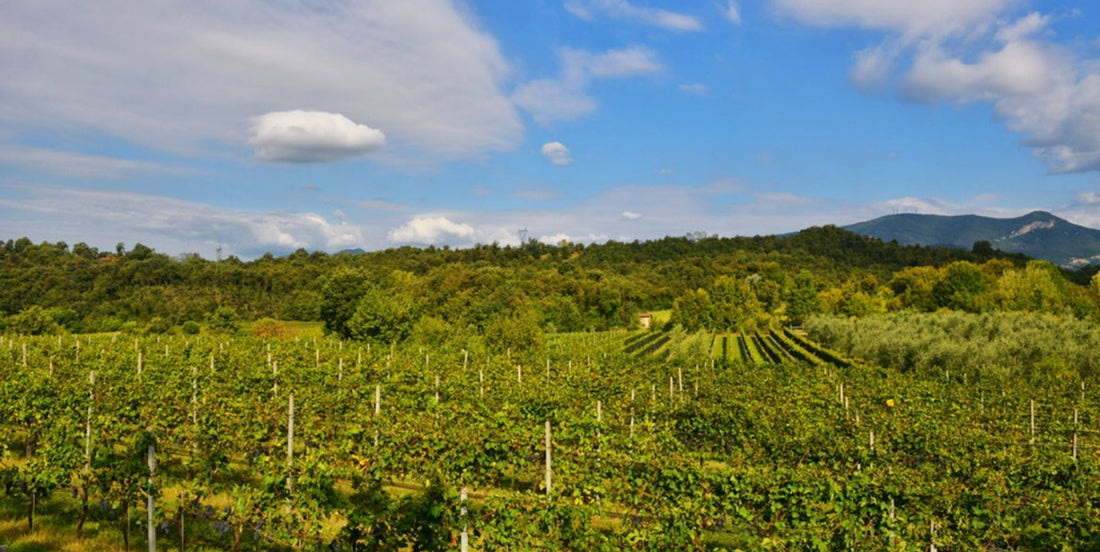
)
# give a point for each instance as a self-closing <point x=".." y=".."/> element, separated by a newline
<point x="511" y="295"/>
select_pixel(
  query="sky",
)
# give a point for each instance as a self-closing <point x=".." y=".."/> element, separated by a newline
<point x="260" y="126"/>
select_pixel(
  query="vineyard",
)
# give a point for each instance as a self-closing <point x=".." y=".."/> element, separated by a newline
<point x="595" y="441"/>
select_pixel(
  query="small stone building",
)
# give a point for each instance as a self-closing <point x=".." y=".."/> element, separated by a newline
<point x="646" y="320"/>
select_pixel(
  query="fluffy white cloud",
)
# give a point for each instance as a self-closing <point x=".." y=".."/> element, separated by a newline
<point x="557" y="153"/>
<point x="630" y="215"/>
<point x="429" y="230"/>
<point x="556" y="239"/>
<point x="309" y="136"/>
<point x="565" y="98"/>
<point x="731" y="12"/>
<point x="588" y="10"/>
<point x="944" y="50"/>
<point x="188" y="76"/>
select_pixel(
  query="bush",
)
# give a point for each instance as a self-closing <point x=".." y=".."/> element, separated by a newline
<point x="224" y="319"/>
<point x="191" y="327"/>
<point x="33" y="321"/>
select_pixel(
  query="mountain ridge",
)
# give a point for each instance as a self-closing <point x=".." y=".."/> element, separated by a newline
<point x="1038" y="234"/>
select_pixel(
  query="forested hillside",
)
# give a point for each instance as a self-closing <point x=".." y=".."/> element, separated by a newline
<point x="512" y="295"/>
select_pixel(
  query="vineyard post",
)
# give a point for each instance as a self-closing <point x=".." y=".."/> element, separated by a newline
<point x="481" y="381"/>
<point x="51" y="367"/>
<point x="195" y="411"/>
<point x="151" y="453"/>
<point x="275" y="378"/>
<point x="680" y="378"/>
<point x="437" y="389"/>
<point x="289" y="443"/>
<point x="548" y="470"/>
<point x="671" y="388"/>
<point x="932" y="536"/>
<point x="547" y="370"/>
<point x="519" y="374"/>
<point x="340" y="375"/>
<point x="465" y="544"/>
<point x="377" y="399"/>
<point x="872" y="440"/>
<point x="1074" y="435"/>
<point x="465" y="359"/>
<point x="24" y="355"/>
<point x="138" y="360"/>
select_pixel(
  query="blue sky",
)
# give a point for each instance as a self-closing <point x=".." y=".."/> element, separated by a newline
<point x="261" y="126"/>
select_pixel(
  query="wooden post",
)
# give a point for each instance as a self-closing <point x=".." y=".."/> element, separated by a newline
<point x="1074" y="435"/>
<point x="290" y="443"/>
<point x="88" y="425"/>
<point x="680" y="378"/>
<point x="340" y="375"/>
<point x="481" y="381"/>
<point x="872" y="440"/>
<point x="437" y="390"/>
<point x="377" y="400"/>
<point x="548" y="470"/>
<point x="464" y="545"/>
<point x="151" y="458"/>
<point x="519" y="374"/>
<point x="139" y="360"/>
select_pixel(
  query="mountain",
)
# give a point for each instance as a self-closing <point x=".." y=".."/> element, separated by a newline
<point x="1039" y="234"/>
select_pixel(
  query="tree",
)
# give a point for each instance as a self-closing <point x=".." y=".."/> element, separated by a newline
<point x="692" y="310"/>
<point x="962" y="287"/>
<point x="33" y="321"/>
<point x="383" y="315"/>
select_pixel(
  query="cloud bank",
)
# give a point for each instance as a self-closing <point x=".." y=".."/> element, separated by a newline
<point x="188" y="76"/>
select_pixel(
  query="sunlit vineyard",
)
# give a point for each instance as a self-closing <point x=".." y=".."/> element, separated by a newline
<point x="657" y="441"/>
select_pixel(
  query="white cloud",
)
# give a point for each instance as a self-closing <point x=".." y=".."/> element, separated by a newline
<point x="556" y="239"/>
<point x="566" y="98"/>
<point x="432" y="230"/>
<point x="949" y="51"/>
<point x="630" y="215"/>
<point x="731" y="12"/>
<point x="103" y="218"/>
<point x="697" y="89"/>
<point x="557" y="153"/>
<point x="624" y="62"/>
<point x="588" y="10"/>
<point x="924" y="17"/>
<point x="311" y="136"/>
<point x="187" y="77"/>
<point x="549" y="100"/>
<point x="68" y="163"/>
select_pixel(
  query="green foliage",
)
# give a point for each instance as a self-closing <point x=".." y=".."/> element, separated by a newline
<point x="33" y="321"/>
<point x="191" y="327"/>
<point x="383" y="316"/>
<point x="224" y="320"/>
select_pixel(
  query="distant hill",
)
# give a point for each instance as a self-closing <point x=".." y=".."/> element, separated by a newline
<point x="1039" y="234"/>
